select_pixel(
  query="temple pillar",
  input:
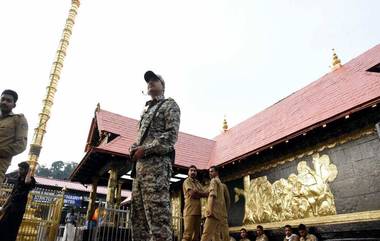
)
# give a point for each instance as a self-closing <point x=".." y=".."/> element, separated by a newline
<point x="111" y="188"/>
<point x="247" y="183"/>
<point x="92" y="199"/>
<point x="118" y="194"/>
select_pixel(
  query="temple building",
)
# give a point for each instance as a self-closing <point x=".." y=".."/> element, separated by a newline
<point x="311" y="158"/>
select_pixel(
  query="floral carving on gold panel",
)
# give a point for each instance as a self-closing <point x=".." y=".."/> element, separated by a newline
<point x="301" y="195"/>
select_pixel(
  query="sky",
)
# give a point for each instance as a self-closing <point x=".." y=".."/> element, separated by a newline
<point x="221" y="57"/>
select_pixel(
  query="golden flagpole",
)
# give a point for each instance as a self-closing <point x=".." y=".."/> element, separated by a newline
<point x="55" y="74"/>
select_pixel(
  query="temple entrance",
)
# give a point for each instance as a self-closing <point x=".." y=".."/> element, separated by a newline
<point x="42" y="215"/>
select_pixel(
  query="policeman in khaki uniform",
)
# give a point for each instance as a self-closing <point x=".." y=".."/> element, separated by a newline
<point x="13" y="131"/>
<point x="224" y="230"/>
<point x="216" y="211"/>
<point x="193" y="191"/>
<point x="224" y="234"/>
<point x="153" y="153"/>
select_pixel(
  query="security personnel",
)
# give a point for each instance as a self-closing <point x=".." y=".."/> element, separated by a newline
<point x="224" y="234"/>
<point x="13" y="131"/>
<point x="224" y="229"/>
<point x="216" y="211"/>
<point x="192" y="191"/>
<point x="153" y="153"/>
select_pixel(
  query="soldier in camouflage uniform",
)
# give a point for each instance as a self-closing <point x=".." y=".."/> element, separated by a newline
<point x="152" y="152"/>
<point x="13" y="131"/>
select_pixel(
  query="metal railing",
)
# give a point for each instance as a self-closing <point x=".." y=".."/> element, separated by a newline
<point x="114" y="224"/>
<point x="42" y="213"/>
<point x="111" y="224"/>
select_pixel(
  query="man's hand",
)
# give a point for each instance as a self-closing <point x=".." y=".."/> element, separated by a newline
<point x="194" y="194"/>
<point x="138" y="154"/>
<point x="28" y="177"/>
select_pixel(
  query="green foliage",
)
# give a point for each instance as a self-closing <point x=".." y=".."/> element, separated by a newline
<point x="58" y="170"/>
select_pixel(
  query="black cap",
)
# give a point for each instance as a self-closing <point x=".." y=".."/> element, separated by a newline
<point x="24" y="165"/>
<point x="149" y="75"/>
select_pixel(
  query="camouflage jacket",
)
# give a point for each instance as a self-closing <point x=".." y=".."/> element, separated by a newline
<point x="163" y="131"/>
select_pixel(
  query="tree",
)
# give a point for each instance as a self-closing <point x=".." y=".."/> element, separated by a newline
<point x="43" y="171"/>
<point x="58" y="170"/>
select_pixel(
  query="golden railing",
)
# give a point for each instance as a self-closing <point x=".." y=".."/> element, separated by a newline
<point x="42" y="215"/>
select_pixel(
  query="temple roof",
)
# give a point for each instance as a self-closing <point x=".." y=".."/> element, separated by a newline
<point x="343" y="91"/>
<point x="336" y="94"/>
<point x="190" y="149"/>
<point x="75" y="186"/>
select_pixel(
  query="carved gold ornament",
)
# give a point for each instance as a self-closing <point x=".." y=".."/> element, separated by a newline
<point x="302" y="195"/>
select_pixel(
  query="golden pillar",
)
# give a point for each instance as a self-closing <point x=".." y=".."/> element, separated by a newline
<point x="247" y="183"/>
<point x="36" y="146"/>
<point x="118" y="195"/>
<point x="111" y="188"/>
<point x="92" y="199"/>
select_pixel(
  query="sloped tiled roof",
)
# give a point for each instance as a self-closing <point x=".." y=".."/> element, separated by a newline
<point x="190" y="149"/>
<point x="75" y="186"/>
<point x="338" y="92"/>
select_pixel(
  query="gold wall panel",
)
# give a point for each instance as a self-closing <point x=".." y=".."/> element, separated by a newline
<point x="367" y="216"/>
<point x="176" y="213"/>
<point x="302" y="195"/>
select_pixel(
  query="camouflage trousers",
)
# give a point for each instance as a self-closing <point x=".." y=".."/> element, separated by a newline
<point x="151" y="212"/>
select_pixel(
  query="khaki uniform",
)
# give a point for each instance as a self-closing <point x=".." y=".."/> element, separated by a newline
<point x="13" y="139"/>
<point x="213" y="224"/>
<point x="224" y="231"/>
<point x="309" y="237"/>
<point x="192" y="210"/>
<point x="151" y="212"/>
<point x="245" y="239"/>
<point x="262" y="237"/>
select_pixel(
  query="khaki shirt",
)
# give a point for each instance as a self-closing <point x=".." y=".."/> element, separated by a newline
<point x="262" y="237"/>
<point x="245" y="239"/>
<point x="13" y="135"/>
<point x="216" y="190"/>
<point x="309" y="237"/>
<point x="226" y="195"/>
<point x="192" y="205"/>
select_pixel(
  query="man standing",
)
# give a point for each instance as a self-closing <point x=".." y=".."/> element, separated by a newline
<point x="70" y="226"/>
<point x="260" y="234"/>
<point x="192" y="191"/>
<point x="153" y="153"/>
<point x="216" y="208"/>
<point x="13" y="131"/>
<point x="14" y="208"/>
<point x="224" y="231"/>
<point x="305" y="235"/>
<point x="244" y="235"/>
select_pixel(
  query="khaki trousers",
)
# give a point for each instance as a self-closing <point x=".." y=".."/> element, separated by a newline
<point x="211" y="229"/>
<point x="224" y="233"/>
<point x="192" y="227"/>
